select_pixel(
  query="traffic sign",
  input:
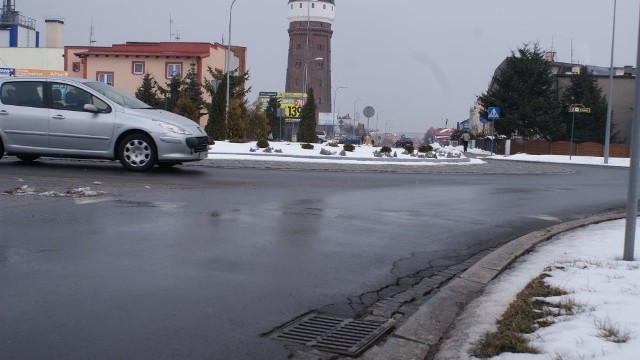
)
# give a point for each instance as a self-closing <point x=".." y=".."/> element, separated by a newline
<point x="579" y="108"/>
<point x="493" y="113"/>
<point x="368" y="111"/>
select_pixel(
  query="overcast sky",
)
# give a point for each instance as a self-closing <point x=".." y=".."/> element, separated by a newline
<point x="417" y="62"/>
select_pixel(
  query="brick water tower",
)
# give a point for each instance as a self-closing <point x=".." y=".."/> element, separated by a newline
<point x="309" y="40"/>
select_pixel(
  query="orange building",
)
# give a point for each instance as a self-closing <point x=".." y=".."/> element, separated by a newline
<point x="124" y="65"/>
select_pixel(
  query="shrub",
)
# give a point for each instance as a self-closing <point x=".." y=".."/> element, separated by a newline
<point x="307" y="146"/>
<point x="425" y="148"/>
<point x="349" y="147"/>
<point x="408" y="148"/>
<point x="262" y="143"/>
<point x="333" y="144"/>
<point x="385" y="150"/>
<point x="237" y="141"/>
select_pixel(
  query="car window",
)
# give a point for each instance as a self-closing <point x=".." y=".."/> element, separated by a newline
<point x="73" y="98"/>
<point x="22" y="93"/>
<point x="117" y="96"/>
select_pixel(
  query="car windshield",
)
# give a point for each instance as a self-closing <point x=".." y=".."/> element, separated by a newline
<point x="117" y="96"/>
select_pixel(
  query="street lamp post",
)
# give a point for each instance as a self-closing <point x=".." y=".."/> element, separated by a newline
<point x="634" y="173"/>
<point x="610" y="94"/>
<point x="226" y="113"/>
<point x="378" y="118"/>
<point x="385" y="125"/>
<point x="335" y="114"/>
<point x="354" y="115"/>
<point x="304" y="80"/>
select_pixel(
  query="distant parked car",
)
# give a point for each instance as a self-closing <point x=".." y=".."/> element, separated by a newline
<point x="403" y="141"/>
<point x="78" y="118"/>
<point x="349" y="140"/>
<point x="322" y="136"/>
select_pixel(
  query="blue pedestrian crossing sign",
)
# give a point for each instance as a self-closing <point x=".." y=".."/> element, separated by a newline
<point x="493" y="113"/>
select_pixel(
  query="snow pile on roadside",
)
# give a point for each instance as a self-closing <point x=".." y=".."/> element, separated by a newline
<point x="78" y="192"/>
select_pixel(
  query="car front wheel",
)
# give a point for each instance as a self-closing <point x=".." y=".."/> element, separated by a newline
<point x="137" y="152"/>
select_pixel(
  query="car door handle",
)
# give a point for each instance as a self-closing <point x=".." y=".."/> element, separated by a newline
<point x="4" y="112"/>
<point x="58" y="117"/>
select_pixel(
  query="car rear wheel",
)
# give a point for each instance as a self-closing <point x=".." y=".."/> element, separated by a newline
<point x="28" y="158"/>
<point x="137" y="152"/>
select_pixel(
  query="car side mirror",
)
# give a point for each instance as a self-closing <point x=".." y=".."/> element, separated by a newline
<point x="91" y="108"/>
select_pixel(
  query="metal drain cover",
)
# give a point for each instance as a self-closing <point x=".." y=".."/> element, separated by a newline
<point x="333" y="334"/>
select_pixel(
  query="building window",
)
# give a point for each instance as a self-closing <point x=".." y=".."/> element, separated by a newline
<point x="298" y="64"/>
<point x="300" y="5"/>
<point x="105" y="77"/>
<point x="313" y="6"/>
<point x="299" y="46"/>
<point x="320" y="65"/>
<point x="324" y="7"/>
<point x="75" y="67"/>
<point x="174" y="69"/>
<point x="320" y="47"/>
<point x="137" y="67"/>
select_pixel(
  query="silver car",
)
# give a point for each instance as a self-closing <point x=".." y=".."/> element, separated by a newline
<point x="66" y="117"/>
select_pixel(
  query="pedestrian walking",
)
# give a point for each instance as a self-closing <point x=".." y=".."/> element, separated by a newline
<point x="465" y="140"/>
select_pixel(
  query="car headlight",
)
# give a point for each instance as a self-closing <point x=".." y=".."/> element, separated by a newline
<point x="171" y="128"/>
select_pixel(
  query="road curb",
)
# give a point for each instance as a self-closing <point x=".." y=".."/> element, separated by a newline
<point x="419" y="337"/>
<point x="345" y="158"/>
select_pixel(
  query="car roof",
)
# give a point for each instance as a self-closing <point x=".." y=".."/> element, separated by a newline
<point x="46" y="78"/>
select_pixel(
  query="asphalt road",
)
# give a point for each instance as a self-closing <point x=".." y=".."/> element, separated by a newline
<point x="198" y="262"/>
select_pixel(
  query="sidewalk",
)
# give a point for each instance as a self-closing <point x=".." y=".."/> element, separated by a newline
<point x="455" y="318"/>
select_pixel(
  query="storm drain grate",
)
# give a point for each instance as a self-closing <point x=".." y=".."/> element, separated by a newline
<point x="338" y="335"/>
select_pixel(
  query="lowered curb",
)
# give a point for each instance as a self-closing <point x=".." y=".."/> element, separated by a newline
<point x="419" y="337"/>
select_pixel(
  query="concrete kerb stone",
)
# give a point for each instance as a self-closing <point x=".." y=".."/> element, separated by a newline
<point x="344" y="158"/>
<point x="420" y="336"/>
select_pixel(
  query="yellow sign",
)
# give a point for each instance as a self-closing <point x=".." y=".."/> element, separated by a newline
<point x="290" y="103"/>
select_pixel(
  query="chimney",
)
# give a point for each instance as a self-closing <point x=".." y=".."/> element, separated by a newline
<point x="550" y="56"/>
<point x="54" y="28"/>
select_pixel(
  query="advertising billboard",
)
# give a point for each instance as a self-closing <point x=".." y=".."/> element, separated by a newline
<point x="290" y="103"/>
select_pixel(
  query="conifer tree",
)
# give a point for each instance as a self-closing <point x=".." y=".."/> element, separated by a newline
<point x="523" y="90"/>
<point x="193" y="87"/>
<point x="258" y="126"/>
<point x="185" y="107"/>
<point x="216" y="126"/>
<point x="275" y="123"/>
<point x="236" y="122"/>
<point x="171" y="93"/>
<point x="308" y="120"/>
<point x="584" y="89"/>
<point x="148" y="91"/>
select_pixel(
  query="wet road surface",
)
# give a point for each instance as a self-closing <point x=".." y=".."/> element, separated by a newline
<point x="198" y="261"/>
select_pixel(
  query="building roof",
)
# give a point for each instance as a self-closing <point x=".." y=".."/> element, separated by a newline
<point x="563" y="68"/>
<point x="190" y="49"/>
